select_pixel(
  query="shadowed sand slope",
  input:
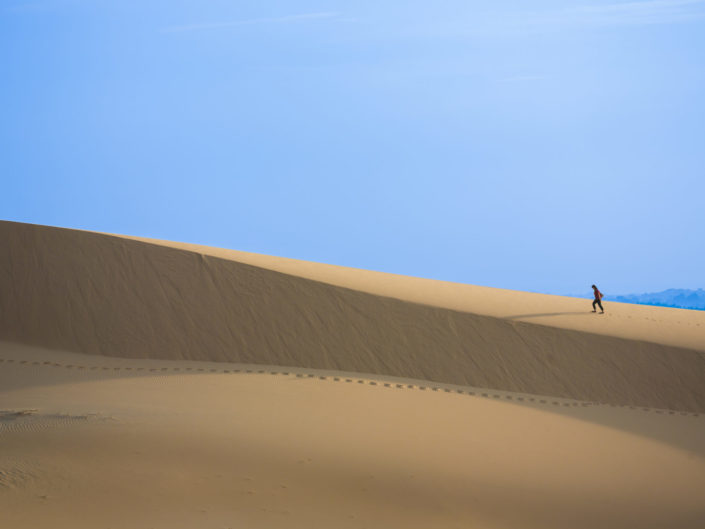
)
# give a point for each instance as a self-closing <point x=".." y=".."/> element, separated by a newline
<point x="118" y="296"/>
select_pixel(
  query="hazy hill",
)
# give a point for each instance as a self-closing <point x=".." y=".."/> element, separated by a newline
<point x="673" y="297"/>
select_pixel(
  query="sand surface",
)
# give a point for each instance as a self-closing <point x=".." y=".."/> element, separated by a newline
<point x="153" y="384"/>
<point x="675" y="327"/>
<point x="150" y="444"/>
<point x="115" y="296"/>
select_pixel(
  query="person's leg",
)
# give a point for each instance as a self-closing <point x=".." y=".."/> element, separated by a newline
<point x="593" y="305"/>
<point x="600" y="304"/>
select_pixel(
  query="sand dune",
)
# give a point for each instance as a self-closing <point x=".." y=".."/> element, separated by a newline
<point x="117" y="296"/>
<point x="166" y="385"/>
<point x="90" y="441"/>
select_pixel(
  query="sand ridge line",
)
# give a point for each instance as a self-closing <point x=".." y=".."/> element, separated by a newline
<point x="387" y="284"/>
<point x="364" y="380"/>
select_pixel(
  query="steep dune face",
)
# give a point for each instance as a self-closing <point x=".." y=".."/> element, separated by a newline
<point x="110" y="295"/>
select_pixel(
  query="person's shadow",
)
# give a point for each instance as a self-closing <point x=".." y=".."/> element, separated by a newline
<point x="543" y="314"/>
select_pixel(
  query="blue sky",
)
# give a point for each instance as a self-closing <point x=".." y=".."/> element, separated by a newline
<point x="539" y="146"/>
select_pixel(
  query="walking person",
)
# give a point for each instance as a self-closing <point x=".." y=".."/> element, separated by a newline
<point x="598" y="300"/>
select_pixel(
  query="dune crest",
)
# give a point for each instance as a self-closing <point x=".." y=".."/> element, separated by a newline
<point x="125" y="297"/>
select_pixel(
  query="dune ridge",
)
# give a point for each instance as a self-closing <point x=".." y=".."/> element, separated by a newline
<point x="123" y="297"/>
<point x="633" y="322"/>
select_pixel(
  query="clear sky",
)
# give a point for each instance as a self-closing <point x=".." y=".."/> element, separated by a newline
<point x="539" y="146"/>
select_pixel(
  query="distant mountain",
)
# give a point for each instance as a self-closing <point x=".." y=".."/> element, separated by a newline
<point x="673" y="297"/>
<point x="680" y="298"/>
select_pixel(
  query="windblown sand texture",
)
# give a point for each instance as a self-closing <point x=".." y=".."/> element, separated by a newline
<point x="156" y="384"/>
